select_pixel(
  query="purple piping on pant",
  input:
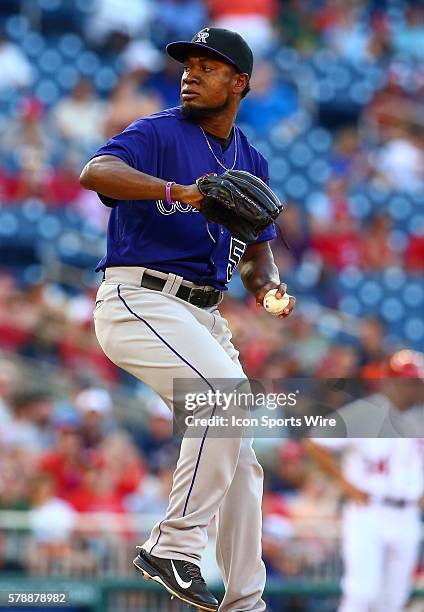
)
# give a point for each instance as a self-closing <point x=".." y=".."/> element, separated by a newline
<point x="201" y="376"/>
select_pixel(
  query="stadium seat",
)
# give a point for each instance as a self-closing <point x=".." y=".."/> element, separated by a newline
<point x="413" y="294"/>
<point x="300" y="154"/>
<point x="370" y="293"/>
<point x="49" y="61"/>
<point x="394" y="278"/>
<point x="319" y="139"/>
<point x="414" y="331"/>
<point x="70" y="45"/>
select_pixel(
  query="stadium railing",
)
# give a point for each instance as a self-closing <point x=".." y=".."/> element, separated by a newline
<point x="91" y="562"/>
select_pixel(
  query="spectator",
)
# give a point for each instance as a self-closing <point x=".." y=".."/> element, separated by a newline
<point x="277" y="534"/>
<point x="80" y="352"/>
<point x="123" y="462"/>
<point x="270" y="102"/>
<point x="334" y="232"/>
<point x="297" y="26"/>
<point x="65" y="462"/>
<point x="17" y="470"/>
<point x="178" y="19"/>
<point x="26" y="141"/>
<point x="109" y="27"/>
<point x="380" y="46"/>
<point x="52" y="519"/>
<point x="377" y="250"/>
<point x="96" y="492"/>
<point x="157" y="441"/>
<point x="349" y="161"/>
<point x="9" y="376"/>
<point x="95" y="408"/>
<point x="294" y="225"/>
<point x="253" y="19"/>
<point x="371" y="342"/>
<point x="128" y="104"/>
<point x="8" y="564"/>
<point x="15" y="69"/>
<point x="43" y="342"/>
<point x="153" y="494"/>
<point x="141" y="59"/>
<point x="414" y="255"/>
<point x="31" y="424"/>
<point x="391" y="108"/>
<point x="307" y="346"/>
<point x="400" y="161"/>
<point x="408" y="35"/>
<point x="79" y="117"/>
<point x="166" y="83"/>
<point x="340" y="362"/>
<point x="348" y="36"/>
<point x="289" y="470"/>
<point x="63" y="186"/>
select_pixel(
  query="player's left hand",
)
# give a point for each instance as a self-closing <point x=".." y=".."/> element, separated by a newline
<point x="281" y="290"/>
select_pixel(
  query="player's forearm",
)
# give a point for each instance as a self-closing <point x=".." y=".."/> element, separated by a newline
<point x="257" y="268"/>
<point x="112" y="177"/>
<point x="330" y="466"/>
<point x="325" y="461"/>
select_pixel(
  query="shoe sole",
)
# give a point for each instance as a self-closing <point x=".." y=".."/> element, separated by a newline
<point x="159" y="580"/>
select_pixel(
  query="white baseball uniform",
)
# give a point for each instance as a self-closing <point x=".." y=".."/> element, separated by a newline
<point x="380" y="540"/>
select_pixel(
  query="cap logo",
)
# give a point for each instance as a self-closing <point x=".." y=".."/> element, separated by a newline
<point x="202" y="36"/>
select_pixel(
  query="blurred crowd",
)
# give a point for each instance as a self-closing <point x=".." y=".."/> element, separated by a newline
<point x="54" y="330"/>
<point x="63" y="457"/>
<point x="60" y="457"/>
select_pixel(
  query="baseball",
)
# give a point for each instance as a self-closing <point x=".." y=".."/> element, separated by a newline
<point x="273" y="305"/>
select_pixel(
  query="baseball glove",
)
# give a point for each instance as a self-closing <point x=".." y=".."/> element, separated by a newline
<point x="240" y="201"/>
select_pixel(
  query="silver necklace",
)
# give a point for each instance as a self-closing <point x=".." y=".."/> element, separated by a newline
<point x="213" y="152"/>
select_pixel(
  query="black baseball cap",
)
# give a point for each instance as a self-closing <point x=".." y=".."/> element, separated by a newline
<point x="224" y="44"/>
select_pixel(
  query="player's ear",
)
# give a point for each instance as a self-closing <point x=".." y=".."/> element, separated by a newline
<point x="241" y="80"/>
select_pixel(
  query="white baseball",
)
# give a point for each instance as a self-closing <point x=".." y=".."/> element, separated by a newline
<point x="273" y="305"/>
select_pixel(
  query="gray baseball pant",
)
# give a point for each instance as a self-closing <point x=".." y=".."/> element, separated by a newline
<point x="158" y="337"/>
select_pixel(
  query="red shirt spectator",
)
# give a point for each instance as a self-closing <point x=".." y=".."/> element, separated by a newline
<point x="376" y="250"/>
<point x="65" y="463"/>
<point x="63" y="186"/>
<point x="414" y="255"/>
<point x="220" y="8"/>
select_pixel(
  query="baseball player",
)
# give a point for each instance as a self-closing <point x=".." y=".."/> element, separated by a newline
<point x="156" y="312"/>
<point x="382" y="480"/>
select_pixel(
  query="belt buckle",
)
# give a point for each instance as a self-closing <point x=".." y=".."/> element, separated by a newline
<point x="196" y="296"/>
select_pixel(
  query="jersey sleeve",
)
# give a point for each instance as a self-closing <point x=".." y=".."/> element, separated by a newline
<point x="136" y="146"/>
<point x="270" y="233"/>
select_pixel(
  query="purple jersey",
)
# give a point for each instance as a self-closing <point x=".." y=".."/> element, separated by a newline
<point x="175" y="238"/>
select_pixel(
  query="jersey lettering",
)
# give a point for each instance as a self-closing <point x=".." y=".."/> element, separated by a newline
<point x="169" y="209"/>
<point x="237" y="248"/>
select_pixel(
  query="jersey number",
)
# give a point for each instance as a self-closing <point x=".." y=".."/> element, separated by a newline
<point x="237" y="248"/>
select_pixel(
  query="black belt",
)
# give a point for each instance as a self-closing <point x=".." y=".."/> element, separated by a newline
<point x="203" y="298"/>
<point x="397" y="503"/>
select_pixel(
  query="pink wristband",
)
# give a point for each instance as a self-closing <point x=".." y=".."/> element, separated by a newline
<point x="168" y="192"/>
